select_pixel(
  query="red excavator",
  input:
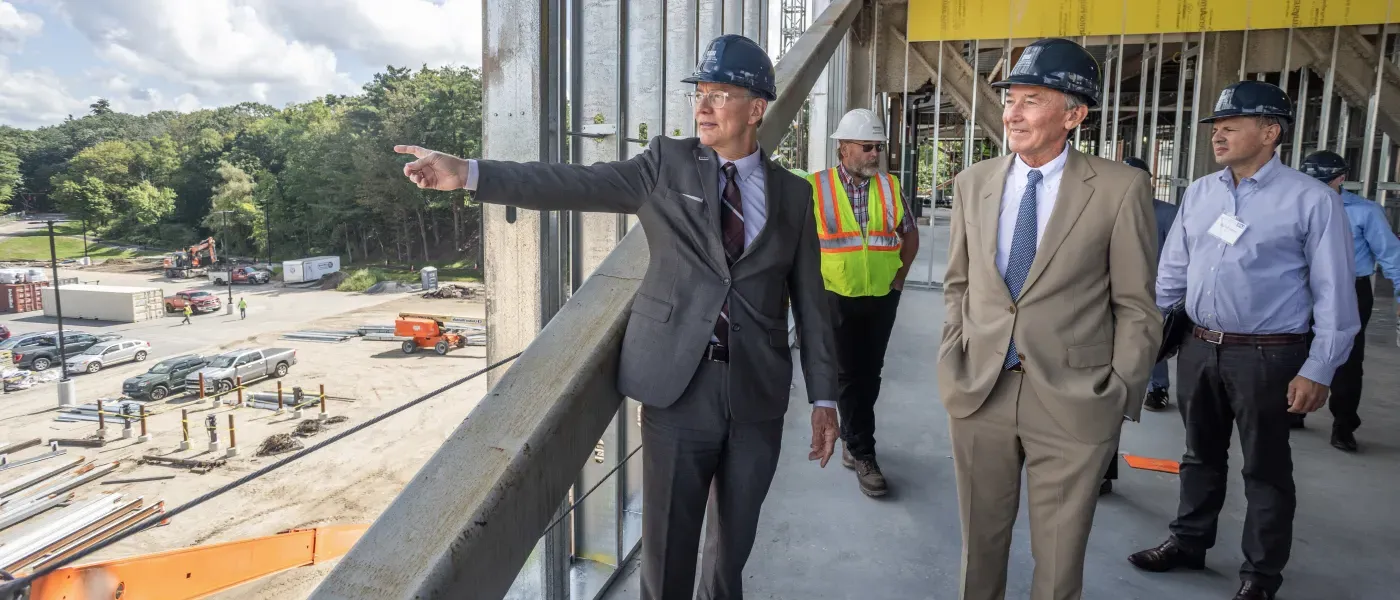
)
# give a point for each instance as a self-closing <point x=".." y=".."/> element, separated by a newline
<point x="188" y="263"/>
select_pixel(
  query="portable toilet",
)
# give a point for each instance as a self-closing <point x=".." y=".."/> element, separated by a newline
<point x="428" y="276"/>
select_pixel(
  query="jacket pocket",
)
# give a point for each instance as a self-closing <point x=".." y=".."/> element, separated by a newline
<point x="778" y="338"/>
<point x="651" y="308"/>
<point x="1092" y="355"/>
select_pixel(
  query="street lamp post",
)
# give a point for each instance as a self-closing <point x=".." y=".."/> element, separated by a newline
<point x="65" y="385"/>
<point x="228" y="310"/>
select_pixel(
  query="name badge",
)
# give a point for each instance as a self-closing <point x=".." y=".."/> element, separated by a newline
<point x="1228" y="229"/>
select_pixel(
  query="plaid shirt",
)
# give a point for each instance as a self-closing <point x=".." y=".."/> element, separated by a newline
<point x="859" y="193"/>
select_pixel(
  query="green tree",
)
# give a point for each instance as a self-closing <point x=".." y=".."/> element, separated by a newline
<point x="235" y="215"/>
<point x="84" y="198"/>
<point x="10" y="177"/>
<point x="147" y="204"/>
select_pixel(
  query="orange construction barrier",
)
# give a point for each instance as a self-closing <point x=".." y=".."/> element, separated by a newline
<point x="199" y="571"/>
<point x="1152" y="464"/>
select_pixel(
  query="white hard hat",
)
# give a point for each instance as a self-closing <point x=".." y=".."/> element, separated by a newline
<point x="860" y="125"/>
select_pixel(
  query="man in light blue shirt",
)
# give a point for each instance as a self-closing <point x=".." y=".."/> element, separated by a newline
<point x="1262" y="255"/>
<point x="1373" y="242"/>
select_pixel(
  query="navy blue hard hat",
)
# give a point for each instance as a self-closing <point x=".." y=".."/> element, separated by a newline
<point x="737" y="60"/>
<point x="1134" y="161"/>
<point x="1252" y="99"/>
<point x="1324" y="166"/>
<point x="1058" y="64"/>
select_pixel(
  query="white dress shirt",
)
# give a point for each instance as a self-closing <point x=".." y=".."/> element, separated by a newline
<point x="753" y="186"/>
<point x="1045" y="192"/>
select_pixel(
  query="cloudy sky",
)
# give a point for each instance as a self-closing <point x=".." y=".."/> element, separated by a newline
<point x="57" y="56"/>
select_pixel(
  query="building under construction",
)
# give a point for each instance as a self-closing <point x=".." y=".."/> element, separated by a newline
<point x="538" y="494"/>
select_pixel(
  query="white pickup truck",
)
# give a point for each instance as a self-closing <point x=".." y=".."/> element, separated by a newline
<point x="225" y="370"/>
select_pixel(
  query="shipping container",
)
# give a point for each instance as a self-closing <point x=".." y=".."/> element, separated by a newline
<point x="121" y="304"/>
<point x="309" y="269"/>
<point x="20" y="297"/>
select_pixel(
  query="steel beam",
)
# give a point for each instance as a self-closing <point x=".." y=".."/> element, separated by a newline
<point x="470" y="517"/>
<point x="1355" y="75"/>
<point x="958" y="82"/>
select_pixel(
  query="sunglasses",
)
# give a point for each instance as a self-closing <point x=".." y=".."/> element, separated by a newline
<point x="876" y="147"/>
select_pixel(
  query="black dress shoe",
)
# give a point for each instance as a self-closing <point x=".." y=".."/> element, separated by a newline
<point x="1106" y="487"/>
<point x="1170" y="555"/>
<point x="1253" y="591"/>
<point x="1298" y="422"/>
<point x="1157" y="400"/>
<point x="1344" y="441"/>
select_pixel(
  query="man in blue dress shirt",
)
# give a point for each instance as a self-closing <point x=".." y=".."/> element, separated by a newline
<point x="1258" y="251"/>
<point x="1373" y="242"/>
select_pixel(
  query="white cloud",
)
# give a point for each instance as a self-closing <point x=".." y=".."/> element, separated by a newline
<point x="380" y="32"/>
<point x="16" y="25"/>
<point x="34" y="98"/>
<point x="184" y="55"/>
<point x="224" y="50"/>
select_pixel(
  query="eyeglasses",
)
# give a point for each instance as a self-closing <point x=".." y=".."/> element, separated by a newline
<point x="875" y="147"/>
<point x="716" y="99"/>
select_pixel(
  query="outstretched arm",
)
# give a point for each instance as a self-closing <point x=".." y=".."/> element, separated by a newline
<point x="618" y="187"/>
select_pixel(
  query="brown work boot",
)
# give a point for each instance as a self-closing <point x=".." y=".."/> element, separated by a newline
<point x="872" y="481"/>
<point x="846" y="459"/>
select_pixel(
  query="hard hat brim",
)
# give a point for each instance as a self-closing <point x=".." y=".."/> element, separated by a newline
<point x="705" y="78"/>
<point x="1218" y="116"/>
<point x="1089" y="101"/>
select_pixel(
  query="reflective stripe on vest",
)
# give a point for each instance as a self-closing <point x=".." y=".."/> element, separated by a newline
<point x="830" y="235"/>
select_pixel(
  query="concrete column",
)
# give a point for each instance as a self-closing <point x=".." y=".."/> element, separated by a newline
<point x="710" y="22"/>
<point x="599" y="100"/>
<point x="680" y="63"/>
<point x="756" y="21"/>
<point x="734" y="17"/>
<point x="515" y="80"/>
<point x="828" y="99"/>
<point x="1220" y="69"/>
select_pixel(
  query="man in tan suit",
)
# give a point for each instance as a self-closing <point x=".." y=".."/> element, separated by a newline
<point x="1051" y="327"/>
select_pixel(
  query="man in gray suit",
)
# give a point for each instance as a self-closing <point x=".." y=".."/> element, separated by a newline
<point x="732" y="237"/>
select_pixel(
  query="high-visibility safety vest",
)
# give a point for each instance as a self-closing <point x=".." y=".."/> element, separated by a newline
<point x="854" y="264"/>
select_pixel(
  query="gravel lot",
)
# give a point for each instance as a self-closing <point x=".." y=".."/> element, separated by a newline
<point x="349" y="482"/>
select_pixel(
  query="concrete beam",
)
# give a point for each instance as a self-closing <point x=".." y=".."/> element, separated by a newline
<point x="467" y="521"/>
<point x="958" y="83"/>
<point x="1355" y="77"/>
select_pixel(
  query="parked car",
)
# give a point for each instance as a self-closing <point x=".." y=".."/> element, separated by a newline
<point x="165" y="378"/>
<point x="106" y="354"/>
<point x="4" y="333"/>
<point x="243" y="274"/>
<point x="40" y="352"/>
<point x="224" y="371"/>
<point x="200" y="301"/>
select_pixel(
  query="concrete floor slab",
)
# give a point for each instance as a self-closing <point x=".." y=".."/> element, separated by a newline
<point x="821" y="539"/>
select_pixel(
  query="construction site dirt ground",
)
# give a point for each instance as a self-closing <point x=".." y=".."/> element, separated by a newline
<point x="348" y="482"/>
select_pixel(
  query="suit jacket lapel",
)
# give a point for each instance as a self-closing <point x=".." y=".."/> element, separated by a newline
<point x="989" y="211"/>
<point x="772" y="190"/>
<point x="1073" y="196"/>
<point x="707" y="165"/>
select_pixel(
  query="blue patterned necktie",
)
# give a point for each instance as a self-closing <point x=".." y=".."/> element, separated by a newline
<point x="1023" y="242"/>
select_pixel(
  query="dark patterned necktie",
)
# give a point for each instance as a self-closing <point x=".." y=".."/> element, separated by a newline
<point x="731" y="218"/>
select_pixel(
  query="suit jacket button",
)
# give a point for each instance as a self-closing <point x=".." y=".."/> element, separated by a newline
<point x="1011" y="309"/>
<point x="735" y="327"/>
<point x="726" y="281"/>
<point x="1021" y="357"/>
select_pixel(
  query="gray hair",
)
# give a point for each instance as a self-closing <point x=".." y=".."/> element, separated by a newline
<point x="1073" y="101"/>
